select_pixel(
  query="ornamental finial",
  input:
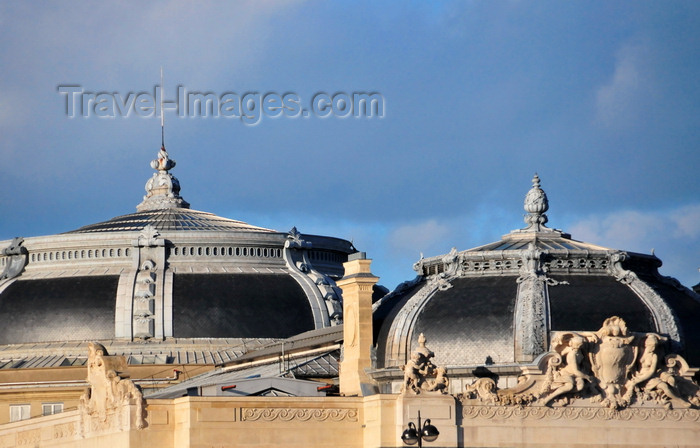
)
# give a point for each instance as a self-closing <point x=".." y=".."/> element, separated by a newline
<point x="163" y="162"/>
<point x="536" y="204"/>
<point x="163" y="189"/>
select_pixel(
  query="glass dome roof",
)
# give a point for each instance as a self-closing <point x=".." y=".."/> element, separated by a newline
<point x="170" y="219"/>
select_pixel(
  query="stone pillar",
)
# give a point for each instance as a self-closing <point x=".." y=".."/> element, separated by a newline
<point x="440" y="409"/>
<point x="531" y="307"/>
<point x="357" y="286"/>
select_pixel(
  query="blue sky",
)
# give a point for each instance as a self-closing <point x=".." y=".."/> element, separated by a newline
<point x="600" y="98"/>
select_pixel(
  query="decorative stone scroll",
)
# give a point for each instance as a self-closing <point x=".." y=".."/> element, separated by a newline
<point x="17" y="259"/>
<point x="296" y="254"/>
<point x="580" y="413"/>
<point x="112" y="402"/>
<point x="665" y="318"/>
<point x="421" y="375"/>
<point x="301" y="414"/>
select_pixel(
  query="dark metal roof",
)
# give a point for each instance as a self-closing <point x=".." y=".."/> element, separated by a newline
<point x="169" y="220"/>
<point x="320" y="364"/>
<point x="462" y="325"/>
<point x="324" y="365"/>
<point x="58" y="309"/>
<point x="587" y="300"/>
<point x="171" y="351"/>
<point x="687" y="308"/>
<point x="470" y="321"/>
<point x="239" y="305"/>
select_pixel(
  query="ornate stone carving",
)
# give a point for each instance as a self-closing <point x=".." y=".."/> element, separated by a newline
<point x="483" y="389"/>
<point x="144" y="303"/>
<point x="112" y="402"/>
<point x="536" y="204"/>
<point x="302" y="414"/>
<point x="532" y="305"/>
<point x="610" y="373"/>
<point x="64" y="430"/>
<point x="664" y="384"/>
<point x="452" y="263"/>
<point x="612" y="356"/>
<point x="295" y="240"/>
<point x="163" y="189"/>
<point x="565" y="374"/>
<point x="420" y="374"/>
<point x="615" y="368"/>
<point x="148" y="237"/>
<point x="579" y="413"/>
<point x="17" y="259"/>
<point x="666" y="321"/>
<point x="29" y="438"/>
<point x="418" y="265"/>
<point x="296" y="255"/>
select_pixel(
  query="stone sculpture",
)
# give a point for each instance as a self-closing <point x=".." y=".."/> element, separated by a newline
<point x="611" y="369"/>
<point x="483" y="389"/>
<point x="421" y="375"/>
<point x="108" y="403"/>
<point x="17" y="259"/>
<point x="570" y="378"/>
<point x="612" y="357"/>
<point x="615" y="367"/>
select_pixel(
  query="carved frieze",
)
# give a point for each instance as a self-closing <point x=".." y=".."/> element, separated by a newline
<point x="29" y="438"/>
<point x="580" y="413"/>
<point x="301" y="414"/>
<point x="64" y="430"/>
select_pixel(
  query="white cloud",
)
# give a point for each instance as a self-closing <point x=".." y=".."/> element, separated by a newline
<point x="426" y="236"/>
<point x="673" y="234"/>
<point x="620" y="101"/>
<point x="687" y="222"/>
<point x="625" y="229"/>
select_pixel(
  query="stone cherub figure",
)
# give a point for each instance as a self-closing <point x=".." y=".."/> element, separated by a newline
<point x="571" y="377"/>
<point x="420" y="374"/>
<point x="659" y="381"/>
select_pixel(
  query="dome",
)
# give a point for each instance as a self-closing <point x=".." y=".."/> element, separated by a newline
<point x="499" y="304"/>
<point x="171" y="219"/>
<point x="165" y="279"/>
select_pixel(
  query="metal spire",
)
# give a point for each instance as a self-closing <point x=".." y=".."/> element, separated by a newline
<point x="162" y="189"/>
<point x="162" y="113"/>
